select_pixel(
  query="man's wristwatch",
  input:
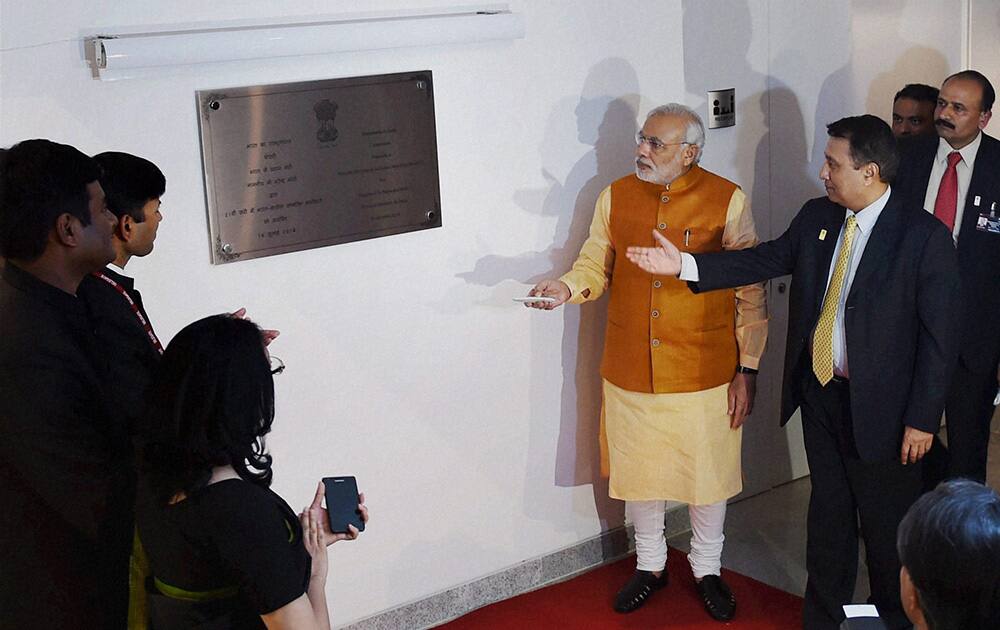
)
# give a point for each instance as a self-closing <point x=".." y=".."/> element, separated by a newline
<point x="745" y="370"/>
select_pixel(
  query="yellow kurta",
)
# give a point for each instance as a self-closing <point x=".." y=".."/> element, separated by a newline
<point x="672" y="446"/>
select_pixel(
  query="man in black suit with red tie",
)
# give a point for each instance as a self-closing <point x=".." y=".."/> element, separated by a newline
<point x="872" y="344"/>
<point x="957" y="178"/>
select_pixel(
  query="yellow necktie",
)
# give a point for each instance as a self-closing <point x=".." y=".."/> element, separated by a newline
<point x="823" y="336"/>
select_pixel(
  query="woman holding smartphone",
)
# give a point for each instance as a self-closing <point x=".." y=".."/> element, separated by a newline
<point x="225" y="551"/>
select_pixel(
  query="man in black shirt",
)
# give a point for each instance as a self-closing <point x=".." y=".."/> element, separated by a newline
<point x="133" y="187"/>
<point x="64" y="474"/>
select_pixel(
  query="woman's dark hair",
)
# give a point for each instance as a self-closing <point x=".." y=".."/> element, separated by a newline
<point x="211" y="404"/>
<point x="949" y="542"/>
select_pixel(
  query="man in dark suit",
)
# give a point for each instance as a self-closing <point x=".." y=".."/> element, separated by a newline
<point x="133" y="187"/>
<point x="957" y="178"/>
<point x="872" y="343"/>
<point x="64" y="467"/>
<point x="129" y="348"/>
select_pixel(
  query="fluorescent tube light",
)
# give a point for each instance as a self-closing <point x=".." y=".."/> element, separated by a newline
<point x="207" y="44"/>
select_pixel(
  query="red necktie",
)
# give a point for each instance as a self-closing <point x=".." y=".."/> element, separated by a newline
<point x="946" y="203"/>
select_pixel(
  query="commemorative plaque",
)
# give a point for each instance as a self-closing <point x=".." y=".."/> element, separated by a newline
<point x="302" y="165"/>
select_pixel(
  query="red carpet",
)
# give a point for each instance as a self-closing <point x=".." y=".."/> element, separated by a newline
<point x="585" y="602"/>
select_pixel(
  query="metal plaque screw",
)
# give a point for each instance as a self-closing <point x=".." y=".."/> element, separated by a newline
<point x="421" y="85"/>
<point x="214" y="106"/>
<point x="431" y="215"/>
<point x="227" y="248"/>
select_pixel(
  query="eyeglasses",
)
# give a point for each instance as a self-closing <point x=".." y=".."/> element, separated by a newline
<point x="655" y="144"/>
<point x="277" y="365"/>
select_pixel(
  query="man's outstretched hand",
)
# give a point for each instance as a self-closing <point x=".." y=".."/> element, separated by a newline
<point x="662" y="260"/>
<point x="549" y="288"/>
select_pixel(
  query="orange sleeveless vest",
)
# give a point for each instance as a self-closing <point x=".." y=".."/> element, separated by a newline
<point x="661" y="337"/>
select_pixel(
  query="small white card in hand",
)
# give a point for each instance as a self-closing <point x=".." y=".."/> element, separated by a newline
<point x="535" y="298"/>
<point x="860" y="610"/>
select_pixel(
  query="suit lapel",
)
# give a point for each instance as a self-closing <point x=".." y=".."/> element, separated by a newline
<point x="985" y="173"/>
<point x="984" y="181"/>
<point x="880" y="244"/>
<point x="916" y="162"/>
<point x="923" y="168"/>
<point x="831" y="224"/>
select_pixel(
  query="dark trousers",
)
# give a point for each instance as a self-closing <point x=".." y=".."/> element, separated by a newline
<point x="845" y="491"/>
<point x="968" y="414"/>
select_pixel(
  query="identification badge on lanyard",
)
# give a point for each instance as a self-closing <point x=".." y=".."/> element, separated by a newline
<point x="989" y="221"/>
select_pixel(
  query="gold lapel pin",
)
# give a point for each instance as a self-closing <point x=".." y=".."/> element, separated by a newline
<point x="822" y="235"/>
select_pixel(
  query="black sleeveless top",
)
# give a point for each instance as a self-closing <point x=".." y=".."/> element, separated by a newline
<point x="227" y="554"/>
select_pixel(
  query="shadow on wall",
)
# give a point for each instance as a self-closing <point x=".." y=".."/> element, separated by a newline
<point x="842" y="88"/>
<point x="836" y="94"/>
<point x="915" y="63"/>
<point x="796" y="178"/>
<point x="717" y="49"/>
<point x="918" y="64"/>
<point x="793" y="183"/>
<point x="606" y="119"/>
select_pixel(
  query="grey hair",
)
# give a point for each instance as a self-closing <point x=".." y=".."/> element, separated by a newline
<point x="695" y="130"/>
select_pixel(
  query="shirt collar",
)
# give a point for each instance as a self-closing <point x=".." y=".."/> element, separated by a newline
<point x="112" y="272"/>
<point x="29" y="284"/>
<point x="968" y="152"/>
<point x="868" y="215"/>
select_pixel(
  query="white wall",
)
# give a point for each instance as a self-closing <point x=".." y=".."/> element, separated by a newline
<point x="470" y="422"/>
<point x="984" y="41"/>
<point x="408" y="364"/>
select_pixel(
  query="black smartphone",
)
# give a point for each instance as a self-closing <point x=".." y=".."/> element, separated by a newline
<point x="342" y="504"/>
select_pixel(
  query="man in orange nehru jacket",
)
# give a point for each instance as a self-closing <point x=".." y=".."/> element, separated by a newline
<point x="678" y="368"/>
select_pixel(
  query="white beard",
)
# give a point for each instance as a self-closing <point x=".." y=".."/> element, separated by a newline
<point x="648" y="175"/>
<point x="655" y="175"/>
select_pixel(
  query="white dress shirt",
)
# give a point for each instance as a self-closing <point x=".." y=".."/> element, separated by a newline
<point x="964" y="171"/>
<point x="866" y="218"/>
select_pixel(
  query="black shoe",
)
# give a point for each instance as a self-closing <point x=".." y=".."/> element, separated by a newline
<point x="638" y="589"/>
<point x="718" y="599"/>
